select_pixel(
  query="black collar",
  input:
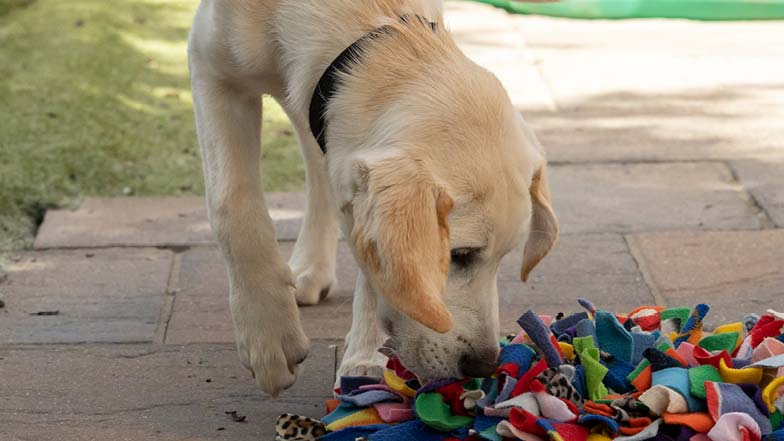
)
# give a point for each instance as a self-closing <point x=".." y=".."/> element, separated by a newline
<point x="328" y="83"/>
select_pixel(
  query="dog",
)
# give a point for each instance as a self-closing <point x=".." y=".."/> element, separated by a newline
<point x="412" y="150"/>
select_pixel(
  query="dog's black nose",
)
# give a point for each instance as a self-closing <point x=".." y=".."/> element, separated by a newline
<point x="478" y="366"/>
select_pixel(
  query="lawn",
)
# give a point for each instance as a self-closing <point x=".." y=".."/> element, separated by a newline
<point x="95" y="100"/>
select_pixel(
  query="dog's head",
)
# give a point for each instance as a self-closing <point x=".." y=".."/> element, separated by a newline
<point x="431" y="246"/>
<point x="450" y="180"/>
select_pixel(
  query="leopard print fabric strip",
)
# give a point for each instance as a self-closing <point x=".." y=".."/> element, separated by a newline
<point x="298" y="428"/>
<point x="558" y="385"/>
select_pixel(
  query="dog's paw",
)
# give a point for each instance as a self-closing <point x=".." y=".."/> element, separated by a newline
<point x="369" y="369"/>
<point x="313" y="284"/>
<point x="364" y="367"/>
<point x="270" y="341"/>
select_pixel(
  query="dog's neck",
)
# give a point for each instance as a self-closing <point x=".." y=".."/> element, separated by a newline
<point x="311" y="37"/>
<point x="328" y="84"/>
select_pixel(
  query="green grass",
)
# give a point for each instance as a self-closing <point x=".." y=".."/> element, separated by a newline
<point x="7" y="6"/>
<point x="95" y="100"/>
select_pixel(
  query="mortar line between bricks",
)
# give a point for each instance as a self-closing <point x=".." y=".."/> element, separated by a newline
<point x="640" y="161"/>
<point x="167" y="306"/>
<point x="206" y="246"/>
<point x="34" y="346"/>
<point x="766" y="221"/>
<point x="173" y="247"/>
<point x="636" y="252"/>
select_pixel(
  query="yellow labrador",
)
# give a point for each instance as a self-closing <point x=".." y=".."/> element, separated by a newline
<point x="412" y="149"/>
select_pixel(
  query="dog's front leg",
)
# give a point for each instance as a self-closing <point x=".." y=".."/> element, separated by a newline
<point x="361" y="356"/>
<point x="267" y="327"/>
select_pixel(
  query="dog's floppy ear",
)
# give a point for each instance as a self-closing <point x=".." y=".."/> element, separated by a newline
<point x="544" y="226"/>
<point x="401" y="236"/>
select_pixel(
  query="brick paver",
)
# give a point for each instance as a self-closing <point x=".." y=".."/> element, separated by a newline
<point x="140" y="221"/>
<point x="102" y="295"/>
<point x="764" y="179"/>
<point x="595" y="266"/>
<point x="736" y="272"/>
<point x="145" y="392"/>
<point x="643" y="197"/>
<point x="201" y="310"/>
<point x="664" y="139"/>
<point x="590" y="198"/>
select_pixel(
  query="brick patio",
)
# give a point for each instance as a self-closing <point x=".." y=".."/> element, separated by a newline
<point x="665" y="142"/>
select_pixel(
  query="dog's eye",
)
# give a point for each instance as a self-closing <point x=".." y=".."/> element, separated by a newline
<point x="464" y="257"/>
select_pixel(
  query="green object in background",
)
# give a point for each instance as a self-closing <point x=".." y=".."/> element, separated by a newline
<point x="616" y="9"/>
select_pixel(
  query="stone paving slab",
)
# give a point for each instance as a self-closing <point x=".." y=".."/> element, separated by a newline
<point x="176" y="422"/>
<point x="764" y="179"/>
<point x="690" y="123"/>
<point x="643" y="197"/>
<point x="103" y="295"/>
<point x="594" y="266"/>
<point x="152" y="221"/>
<point x="200" y="311"/>
<point x="623" y="197"/>
<point x="132" y="392"/>
<point x="657" y="89"/>
<point x="736" y="272"/>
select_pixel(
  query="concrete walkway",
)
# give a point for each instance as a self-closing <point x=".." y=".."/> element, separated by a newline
<point x="665" y="139"/>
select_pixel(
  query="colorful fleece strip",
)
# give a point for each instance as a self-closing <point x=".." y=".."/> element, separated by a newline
<point x="652" y="374"/>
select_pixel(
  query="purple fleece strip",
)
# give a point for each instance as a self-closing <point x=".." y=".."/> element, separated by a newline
<point x="507" y="390"/>
<point x="744" y="399"/>
<point x="540" y="335"/>
<point x="370" y="397"/>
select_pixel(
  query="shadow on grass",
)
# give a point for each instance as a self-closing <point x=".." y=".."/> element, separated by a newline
<point x="98" y="103"/>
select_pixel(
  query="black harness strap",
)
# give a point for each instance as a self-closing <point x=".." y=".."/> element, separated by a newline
<point x="328" y="83"/>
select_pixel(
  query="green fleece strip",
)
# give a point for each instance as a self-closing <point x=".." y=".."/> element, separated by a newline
<point x="699" y="375"/>
<point x="680" y="313"/>
<point x="594" y="374"/>
<point x="720" y="342"/>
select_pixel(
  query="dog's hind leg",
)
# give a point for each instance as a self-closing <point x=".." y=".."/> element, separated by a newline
<point x="361" y="356"/>
<point x="313" y="259"/>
